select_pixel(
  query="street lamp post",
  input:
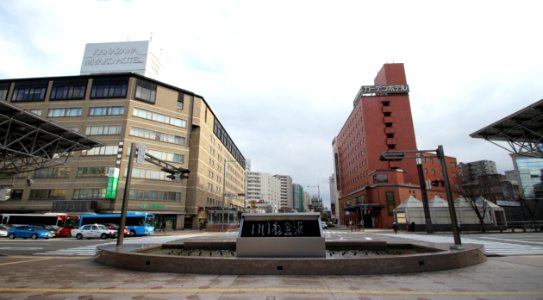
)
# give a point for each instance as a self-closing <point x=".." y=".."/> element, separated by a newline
<point x="424" y="193"/>
<point x="452" y="211"/>
<point x="399" y="155"/>
<point x="224" y="191"/>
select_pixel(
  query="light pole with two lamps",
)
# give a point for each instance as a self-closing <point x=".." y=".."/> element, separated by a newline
<point x="399" y="155"/>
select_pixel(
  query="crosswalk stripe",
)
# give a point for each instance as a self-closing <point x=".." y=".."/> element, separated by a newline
<point x="490" y="247"/>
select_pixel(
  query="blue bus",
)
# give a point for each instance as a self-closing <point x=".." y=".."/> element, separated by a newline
<point x="137" y="223"/>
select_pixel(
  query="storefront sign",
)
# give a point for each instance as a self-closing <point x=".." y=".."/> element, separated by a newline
<point x="152" y="206"/>
<point x="112" y="182"/>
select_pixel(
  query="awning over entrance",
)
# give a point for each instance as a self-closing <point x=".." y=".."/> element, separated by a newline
<point x="365" y="206"/>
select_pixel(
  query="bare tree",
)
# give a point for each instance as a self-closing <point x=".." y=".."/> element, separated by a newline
<point x="481" y="190"/>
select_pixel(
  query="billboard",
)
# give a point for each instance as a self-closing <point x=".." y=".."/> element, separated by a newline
<point x="120" y="57"/>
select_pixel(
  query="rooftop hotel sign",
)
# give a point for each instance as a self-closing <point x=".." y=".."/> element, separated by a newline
<point x="379" y="90"/>
<point x="384" y="89"/>
<point x="120" y="57"/>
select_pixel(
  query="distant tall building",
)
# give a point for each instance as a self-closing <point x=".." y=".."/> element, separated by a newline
<point x="333" y="197"/>
<point x="471" y="171"/>
<point x="263" y="190"/>
<point x="286" y="191"/>
<point x="298" y="197"/>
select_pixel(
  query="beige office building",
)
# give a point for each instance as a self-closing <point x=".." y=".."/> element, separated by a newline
<point x="121" y="109"/>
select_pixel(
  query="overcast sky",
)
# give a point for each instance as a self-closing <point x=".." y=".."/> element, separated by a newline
<point x="282" y="75"/>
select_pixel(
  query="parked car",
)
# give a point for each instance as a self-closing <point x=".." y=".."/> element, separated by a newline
<point x="116" y="228"/>
<point x="29" y="231"/>
<point x="93" y="231"/>
<point x="52" y="228"/>
<point x="324" y="225"/>
<point x="4" y="230"/>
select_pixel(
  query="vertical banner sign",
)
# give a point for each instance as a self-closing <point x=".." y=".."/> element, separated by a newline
<point x="141" y="153"/>
<point x="112" y="181"/>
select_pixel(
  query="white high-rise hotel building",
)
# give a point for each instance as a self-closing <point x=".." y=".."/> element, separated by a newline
<point x="267" y="190"/>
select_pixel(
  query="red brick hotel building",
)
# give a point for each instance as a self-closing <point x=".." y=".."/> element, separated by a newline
<point x="381" y="121"/>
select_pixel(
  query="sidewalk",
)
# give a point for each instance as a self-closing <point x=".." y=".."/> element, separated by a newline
<point x="32" y="277"/>
<point x="82" y="278"/>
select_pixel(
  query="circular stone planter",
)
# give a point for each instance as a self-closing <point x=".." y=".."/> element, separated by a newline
<point x="417" y="258"/>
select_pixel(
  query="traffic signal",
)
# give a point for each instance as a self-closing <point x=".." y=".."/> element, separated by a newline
<point x="184" y="174"/>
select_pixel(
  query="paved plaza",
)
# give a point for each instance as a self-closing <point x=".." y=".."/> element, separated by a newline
<point x="79" y="277"/>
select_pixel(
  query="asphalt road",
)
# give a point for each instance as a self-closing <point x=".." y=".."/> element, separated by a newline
<point x="62" y="246"/>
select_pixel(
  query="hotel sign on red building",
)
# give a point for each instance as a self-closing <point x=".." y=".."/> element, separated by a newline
<point x="370" y="90"/>
<point x="384" y="89"/>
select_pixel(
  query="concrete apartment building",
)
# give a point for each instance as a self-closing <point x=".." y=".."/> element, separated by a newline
<point x="271" y="193"/>
<point x="286" y="193"/>
<point x="369" y="189"/>
<point x="473" y="170"/>
<point x="263" y="192"/>
<point x="118" y="109"/>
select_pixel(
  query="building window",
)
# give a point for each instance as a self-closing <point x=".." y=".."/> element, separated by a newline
<point x="64" y="112"/>
<point x="109" y="88"/>
<point x="390" y="203"/>
<point x="68" y="89"/>
<point x="173" y="157"/>
<point x="153" y="116"/>
<point x="103" y="130"/>
<point x="4" y="89"/>
<point x="154" y="195"/>
<point x="180" y="101"/>
<point x="61" y="172"/>
<point x="37" y="112"/>
<point x="386" y="103"/>
<point x="47" y="195"/>
<point x="89" y="194"/>
<point x="149" y="174"/>
<point x="157" y="136"/>
<point x="106" y="111"/>
<point x="92" y="171"/>
<point x="145" y="91"/>
<point x="16" y="195"/>
<point x="105" y="150"/>
<point x="29" y="91"/>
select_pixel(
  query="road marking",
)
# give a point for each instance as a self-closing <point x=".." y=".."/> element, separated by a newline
<point x="24" y="261"/>
<point x="510" y="241"/>
<point x="279" y="290"/>
<point x="21" y="248"/>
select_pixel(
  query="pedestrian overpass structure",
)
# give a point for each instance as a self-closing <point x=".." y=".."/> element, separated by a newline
<point x="522" y="131"/>
<point x="29" y="142"/>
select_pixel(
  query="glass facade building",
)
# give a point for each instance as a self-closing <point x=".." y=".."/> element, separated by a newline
<point x="530" y="171"/>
